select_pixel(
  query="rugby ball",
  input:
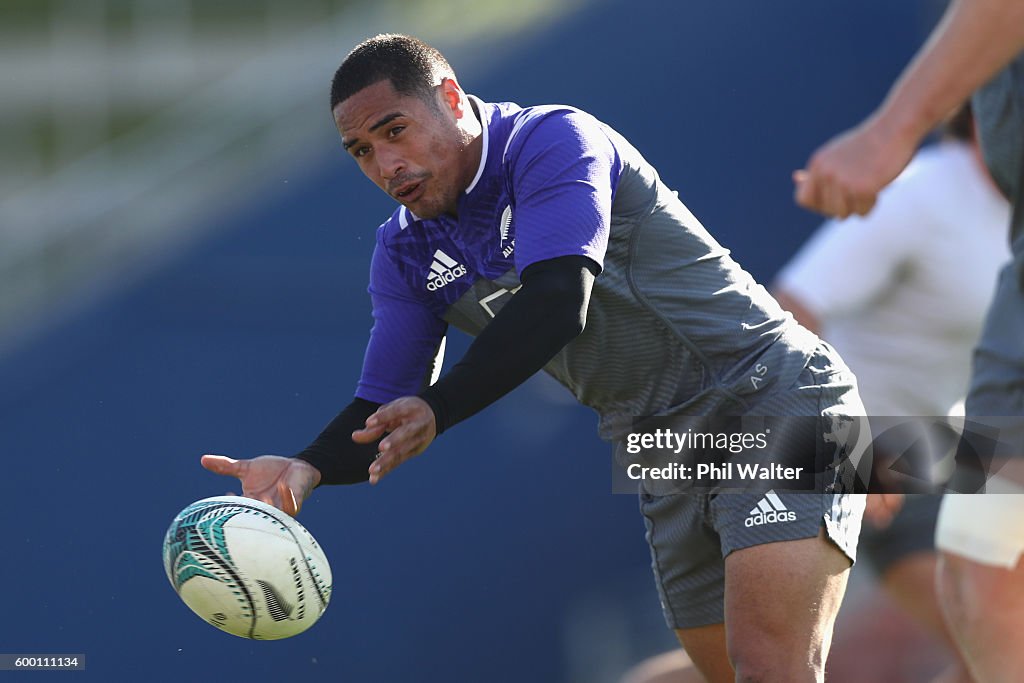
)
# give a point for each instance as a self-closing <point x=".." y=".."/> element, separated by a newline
<point x="247" y="567"/>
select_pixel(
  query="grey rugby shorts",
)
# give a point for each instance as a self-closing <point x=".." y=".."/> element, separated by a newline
<point x="691" y="534"/>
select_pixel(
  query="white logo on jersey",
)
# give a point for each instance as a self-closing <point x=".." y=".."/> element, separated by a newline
<point x="506" y="223"/>
<point x="759" y="372"/>
<point x="443" y="270"/>
<point x="770" y="510"/>
<point x="486" y="301"/>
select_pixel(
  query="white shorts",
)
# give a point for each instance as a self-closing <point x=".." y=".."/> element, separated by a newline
<point x="987" y="528"/>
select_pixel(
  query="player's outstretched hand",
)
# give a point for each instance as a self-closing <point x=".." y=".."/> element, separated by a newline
<point x="284" y="483"/>
<point x="410" y="428"/>
<point x="846" y="174"/>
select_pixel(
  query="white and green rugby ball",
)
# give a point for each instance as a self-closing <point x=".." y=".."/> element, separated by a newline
<point x="247" y="568"/>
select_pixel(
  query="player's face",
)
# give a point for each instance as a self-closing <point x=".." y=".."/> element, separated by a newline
<point x="412" y="150"/>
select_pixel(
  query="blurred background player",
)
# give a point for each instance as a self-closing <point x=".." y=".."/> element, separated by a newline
<point x="901" y="294"/>
<point x="976" y="48"/>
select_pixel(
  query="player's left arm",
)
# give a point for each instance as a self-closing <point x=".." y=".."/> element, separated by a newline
<point x="563" y="175"/>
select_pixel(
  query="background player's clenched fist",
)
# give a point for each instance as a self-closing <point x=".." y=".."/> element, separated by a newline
<point x="845" y="175"/>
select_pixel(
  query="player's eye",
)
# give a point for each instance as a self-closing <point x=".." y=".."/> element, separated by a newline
<point x="362" y="151"/>
<point x="395" y="130"/>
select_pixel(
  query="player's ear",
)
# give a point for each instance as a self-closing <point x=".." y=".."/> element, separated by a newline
<point x="453" y="98"/>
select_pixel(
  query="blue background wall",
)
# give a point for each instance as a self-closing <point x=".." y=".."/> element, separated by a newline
<point x="475" y="561"/>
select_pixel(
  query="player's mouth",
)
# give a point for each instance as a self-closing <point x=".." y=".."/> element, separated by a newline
<point x="409" y="193"/>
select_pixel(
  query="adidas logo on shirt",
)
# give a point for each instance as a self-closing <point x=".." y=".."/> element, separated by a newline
<point x="769" y="510"/>
<point x="443" y="270"/>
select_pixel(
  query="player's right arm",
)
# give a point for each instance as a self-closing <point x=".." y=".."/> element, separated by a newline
<point x="974" y="40"/>
<point x="403" y="349"/>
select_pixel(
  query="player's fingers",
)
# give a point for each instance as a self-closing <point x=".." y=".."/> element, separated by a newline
<point x="221" y="464"/>
<point x="288" y="503"/>
<point x="367" y="435"/>
<point x="863" y="204"/>
<point x="806" y="192"/>
<point x="406" y="441"/>
<point x="835" y="200"/>
<point x="400" y="446"/>
<point x="376" y="469"/>
<point x="388" y="418"/>
<point x="386" y="462"/>
<point x="399" y="411"/>
<point x="387" y="414"/>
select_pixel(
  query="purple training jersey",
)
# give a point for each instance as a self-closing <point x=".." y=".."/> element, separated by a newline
<point x="674" y="324"/>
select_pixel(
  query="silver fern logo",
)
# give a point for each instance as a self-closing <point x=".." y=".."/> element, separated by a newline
<point x="503" y="228"/>
<point x="506" y="223"/>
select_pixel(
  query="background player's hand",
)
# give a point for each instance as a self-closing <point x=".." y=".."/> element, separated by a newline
<point x="846" y="174"/>
<point x="410" y="428"/>
<point x="284" y="483"/>
<point x="882" y="507"/>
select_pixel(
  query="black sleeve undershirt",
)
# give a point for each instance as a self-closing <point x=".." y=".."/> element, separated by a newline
<point x="340" y="459"/>
<point x="548" y="311"/>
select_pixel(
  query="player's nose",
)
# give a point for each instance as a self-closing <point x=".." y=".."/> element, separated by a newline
<point x="390" y="165"/>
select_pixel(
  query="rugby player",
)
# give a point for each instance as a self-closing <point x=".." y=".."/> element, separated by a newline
<point x="543" y="233"/>
<point x="976" y="48"/>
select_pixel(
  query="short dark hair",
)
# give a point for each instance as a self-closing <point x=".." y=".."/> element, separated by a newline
<point x="412" y="66"/>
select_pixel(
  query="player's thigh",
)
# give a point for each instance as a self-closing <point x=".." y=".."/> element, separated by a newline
<point x="784" y="597"/>
<point x="984" y="605"/>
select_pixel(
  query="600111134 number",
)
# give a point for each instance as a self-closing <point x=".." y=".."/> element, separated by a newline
<point x="40" y="662"/>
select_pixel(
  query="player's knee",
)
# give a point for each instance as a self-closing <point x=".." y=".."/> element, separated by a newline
<point x="768" y="670"/>
<point x="752" y="672"/>
<point x="949" y="587"/>
<point x="984" y="607"/>
<point x="968" y="593"/>
<point x="774" y="655"/>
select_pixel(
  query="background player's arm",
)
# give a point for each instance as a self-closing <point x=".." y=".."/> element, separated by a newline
<point x="974" y="40"/>
<point x="847" y="265"/>
<point x="801" y="313"/>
